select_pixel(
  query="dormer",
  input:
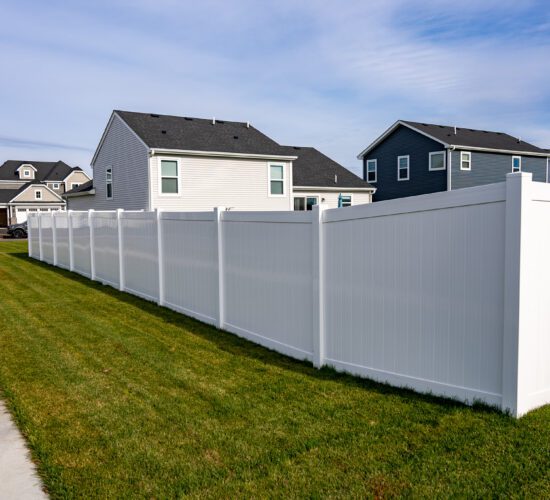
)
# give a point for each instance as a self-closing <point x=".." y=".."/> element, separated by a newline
<point x="26" y="172"/>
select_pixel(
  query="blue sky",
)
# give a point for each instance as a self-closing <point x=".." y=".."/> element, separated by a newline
<point x="328" y="74"/>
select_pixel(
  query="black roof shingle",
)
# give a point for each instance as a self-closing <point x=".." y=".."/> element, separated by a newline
<point x="45" y="170"/>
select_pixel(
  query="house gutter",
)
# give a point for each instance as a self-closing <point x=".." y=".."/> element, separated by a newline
<point x="336" y="189"/>
<point x="221" y="154"/>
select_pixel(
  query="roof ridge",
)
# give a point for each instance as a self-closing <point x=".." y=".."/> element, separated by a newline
<point x="223" y="120"/>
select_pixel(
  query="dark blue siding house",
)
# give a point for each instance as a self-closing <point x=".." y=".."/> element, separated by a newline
<point x="412" y="158"/>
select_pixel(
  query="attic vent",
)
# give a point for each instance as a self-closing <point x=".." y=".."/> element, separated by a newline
<point x="155" y="116"/>
<point x="163" y="131"/>
<point x="188" y="119"/>
<point x="235" y="137"/>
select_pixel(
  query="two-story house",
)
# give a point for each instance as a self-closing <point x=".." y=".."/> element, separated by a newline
<point x="29" y="186"/>
<point x="148" y="161"/>
<point x="413" y="158"/>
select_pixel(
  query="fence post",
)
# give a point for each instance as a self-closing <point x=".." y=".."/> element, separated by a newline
<point x="30" y="230"/>
<point x="160" y="253"/>
<point x="119" y="213"/>
<point x="54" y="239"/>
<point x="40" y="252"/>
<point x="218" y="218"/>
<point x="318" y="286"/>
<point x="71" y="247"/>
<point x="92" y="253"/>
<point x="516" y="291"/>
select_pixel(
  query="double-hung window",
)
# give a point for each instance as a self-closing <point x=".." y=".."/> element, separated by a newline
<point x="38" y="195"/>
<point x="371" y="170"/>
<point x="169" y="182"/>
<point x="344" y="200"/>
<point x="437" y="160"/>
<point x="55" y="185"/>
<point x="516" y="164"/>
<point x="465" y="160"/>
<point x="276" y="180"/>
<point x="403" y="167"/>
<point x="109" y="182"/>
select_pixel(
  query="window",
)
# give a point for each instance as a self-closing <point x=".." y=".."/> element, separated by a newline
<point x="55" y="185"/>
<point x="26" y="173"/>
<point x="276" y="180"/>
<point x="371" y="170"/>
<point x="169" y="181"/>
<point x="38" y="195"/>
<point x="305" y="202"/>
<point x="403" y="168"/>
<point x="516" y="164"/>
<point x="75" y="184"/>
<point x="465" y="160"/>
<point x="437" y="160"/>
<point x="109" y="182"/>
<point x="344" y="200"/>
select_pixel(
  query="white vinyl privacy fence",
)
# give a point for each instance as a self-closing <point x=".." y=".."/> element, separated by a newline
<point x="447" y="293"/>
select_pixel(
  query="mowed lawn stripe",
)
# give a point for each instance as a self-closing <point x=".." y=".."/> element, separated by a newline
<point x="120" y="398"/>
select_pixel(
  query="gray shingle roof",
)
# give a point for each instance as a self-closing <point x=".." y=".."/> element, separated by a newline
<point x="198" y="134"/>
<point x="87" y="186"/>
<point x="475" y="138"/>
<point x="45" y="170"/>
<point x="313" y="168"/>
<point x="6" y="195"/>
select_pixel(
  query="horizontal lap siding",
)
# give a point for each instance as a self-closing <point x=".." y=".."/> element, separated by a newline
<point x="210" y="182"/>
<point x="488" y="168"/>
<point x="404" y="141"/>
<point x="419" y="295"/>
<point x="268" y="283"/>
<point x="128" y="157"/>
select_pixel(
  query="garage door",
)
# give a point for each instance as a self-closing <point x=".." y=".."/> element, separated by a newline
<point x="21" y="215"/>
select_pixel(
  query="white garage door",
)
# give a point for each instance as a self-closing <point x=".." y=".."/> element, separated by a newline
<point x="21" y="215"/>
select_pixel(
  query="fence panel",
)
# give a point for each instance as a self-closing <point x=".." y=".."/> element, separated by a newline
<point x="81" y="243"/>
<point x="62" y="239"/>
<point x="268" y="279"/>
<point x="34" y="236"/>
<point x="105" y="249"/>
<point x="414" y="296"/>
<point x="47" y="237"/>
<point x="139" y="233"/>
<point x="190" y="264"/>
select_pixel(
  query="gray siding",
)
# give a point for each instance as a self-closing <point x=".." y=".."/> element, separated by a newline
<point x="404" y="141"/>
<point x="128" y="157"/>
<point x="488" y="168"/>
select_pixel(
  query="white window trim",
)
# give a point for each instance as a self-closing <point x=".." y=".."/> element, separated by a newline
<point x="350" y="198"/>
<point x="375" y="170"/>
<point x="55" y="185"/>
<point x="107" y="197"/>
<point x="469" y="155"/>
<point x="408" y="168"/>
<point x="513" y="158"/>
<point x="304" y="197"/>
<point x="36" y="193"/>
<point x="160" y="159"/>
<point x="276" y="164"/>
<point x="26" y="172"/>
<point x="444" y="153"/>
<point x="75" y="184"/>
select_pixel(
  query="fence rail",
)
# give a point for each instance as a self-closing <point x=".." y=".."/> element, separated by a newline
<point x="445" y="293"/>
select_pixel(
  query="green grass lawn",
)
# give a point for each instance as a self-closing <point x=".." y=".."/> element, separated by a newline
<point x="120" y="398"/>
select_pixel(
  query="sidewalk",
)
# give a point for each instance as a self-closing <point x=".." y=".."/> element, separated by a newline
<point x="18" y="478"/>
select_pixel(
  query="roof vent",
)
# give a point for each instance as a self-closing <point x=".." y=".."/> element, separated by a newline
<point x="247" y="124"/>
<point x="188" y="119"/>
<point x="519" y="139"/>
<point x="455" y="130"/>
<point x="154" y="116"/>
<point x="235" y="137"/>
<point x="297" y="148"/>
<point x="214" y="121"/>
<point x="163" y="131"/>
<point x="335" y="179"/>
<point x="219" y="121"/>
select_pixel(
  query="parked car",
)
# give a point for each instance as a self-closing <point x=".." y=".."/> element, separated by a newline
<point x="18" y="230"/>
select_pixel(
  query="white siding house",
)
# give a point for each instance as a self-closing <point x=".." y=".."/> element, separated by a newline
<point x="148" y="161"/>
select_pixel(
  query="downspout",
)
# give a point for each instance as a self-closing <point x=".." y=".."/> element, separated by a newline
<point x="547" y="167"/>
<point x="450" y="166"/>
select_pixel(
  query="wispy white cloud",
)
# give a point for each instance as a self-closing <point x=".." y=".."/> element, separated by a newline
<point x="329" y="74"/>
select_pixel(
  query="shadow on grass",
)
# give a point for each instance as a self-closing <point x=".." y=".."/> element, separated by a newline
<point x="238" y="346"/>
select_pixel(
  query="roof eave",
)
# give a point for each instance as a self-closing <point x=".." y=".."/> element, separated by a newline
<point x="226" y="154"/>
<point x="80" y="193"/>
<point x="494" y="150"/>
